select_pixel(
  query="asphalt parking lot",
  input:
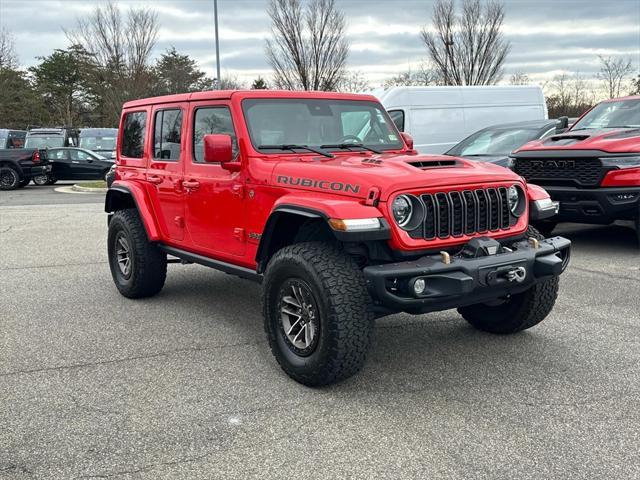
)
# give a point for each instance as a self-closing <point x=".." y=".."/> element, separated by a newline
<point x="183" y="385"/>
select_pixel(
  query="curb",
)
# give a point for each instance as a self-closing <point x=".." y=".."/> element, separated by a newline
<point x="80" y="188"/>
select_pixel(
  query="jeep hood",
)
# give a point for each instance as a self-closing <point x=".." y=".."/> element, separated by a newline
<point x="355" y="174"/>
<point x="610" y="140"/>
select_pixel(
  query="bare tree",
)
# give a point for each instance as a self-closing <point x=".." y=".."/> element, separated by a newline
<point x="354" y="82"/>
<point x="467" y="49"/>
<point x="569" y="94"/>
<point x="308" y="49"/>
<point x="120" y="47"/>
<point x="519" y="78"/>
<point x="8" y="57"/>
<point x="424" y="75"/>
<point x="613" y="73"/>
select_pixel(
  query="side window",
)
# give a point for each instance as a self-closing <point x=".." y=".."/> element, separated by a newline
<point x="57" y="154"/>
<point x="78" y="155"/>
<point x="210" y="120"/>
<point x="397" y="117"/>
<point x="167" y="130"/>
<point x="133" y="134"/>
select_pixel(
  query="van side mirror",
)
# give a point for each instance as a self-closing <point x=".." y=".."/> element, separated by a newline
<point x="407" y="139"/>
<point x="563" y="124"/>
<point x="218" y="148"/>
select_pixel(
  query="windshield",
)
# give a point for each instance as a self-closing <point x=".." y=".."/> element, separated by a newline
<point x="494" y="142"/>
<point x="101" y="144"/>
<point x="621" y="113"/>
<point x="313" y="123"/>
<point x="44" y="142"/>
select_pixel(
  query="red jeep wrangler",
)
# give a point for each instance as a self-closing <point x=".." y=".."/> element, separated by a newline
<point x="593" y="169"/>
<point x="320" y="198"/>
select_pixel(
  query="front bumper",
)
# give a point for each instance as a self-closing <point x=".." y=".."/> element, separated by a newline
<point x="466" y="281"/>
<point x="602" y="205"/>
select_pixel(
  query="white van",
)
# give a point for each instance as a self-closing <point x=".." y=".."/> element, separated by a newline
<point x="439" y="117"/>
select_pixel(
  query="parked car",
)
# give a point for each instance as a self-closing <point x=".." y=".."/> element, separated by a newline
<point x="318" y="196"/>
<point x="593" y="169"/>
<point x="439" y="117"/>
<point x="74" y="164"/>
<point x="51" y="137"/>
<point x="19" y="165"/>
<point x="99" y="140"/>
<point x="12" y="138"/>
<point x="111" y="175"/>
<point x="494" y="144"/>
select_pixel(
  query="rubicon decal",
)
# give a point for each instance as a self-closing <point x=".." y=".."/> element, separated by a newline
<point x="321" y="184"/>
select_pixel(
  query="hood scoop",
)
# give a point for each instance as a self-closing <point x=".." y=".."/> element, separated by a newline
<point x="562" y="140"/>
<point x="426" y="164"/>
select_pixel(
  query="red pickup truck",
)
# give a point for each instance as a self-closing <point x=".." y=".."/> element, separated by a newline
<point x="319" y="197"/>
<point x="593" y="169"/>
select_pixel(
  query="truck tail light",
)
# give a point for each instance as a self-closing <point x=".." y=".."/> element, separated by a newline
<point x="36" y="156"/>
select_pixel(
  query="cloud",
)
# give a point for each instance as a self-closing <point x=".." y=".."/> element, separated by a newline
<point x="547" y="36"/>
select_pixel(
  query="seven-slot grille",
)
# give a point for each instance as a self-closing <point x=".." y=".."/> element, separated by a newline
<point x="463" y="213"/>
<point x="586" y="171"/>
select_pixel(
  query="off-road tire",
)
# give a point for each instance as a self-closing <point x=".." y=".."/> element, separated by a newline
<point x="9" y="178"/>
<point x="546" y="228"/>
<point x="345" y="315"/>
<point x="148" y="264"/>
<point x="637" y="224"/>
<point x="24" y="182"/>
<point x="520" y="311"/>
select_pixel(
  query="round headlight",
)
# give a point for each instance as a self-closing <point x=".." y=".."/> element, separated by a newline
<point x="513" y="196"/>
<point x="402" y="209"/>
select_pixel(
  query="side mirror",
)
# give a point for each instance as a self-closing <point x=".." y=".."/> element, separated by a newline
<point x="563" y="124"/>
<point x="218" y="148"/>
<point x="407" y="139"/>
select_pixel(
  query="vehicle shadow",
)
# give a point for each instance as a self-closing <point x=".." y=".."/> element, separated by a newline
<point x="438" y="353"/>
<point x="616" y="237"/>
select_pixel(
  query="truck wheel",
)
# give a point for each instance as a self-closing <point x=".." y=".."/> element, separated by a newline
<point x="518" y="312"/>
<point x="317" y="313"/>
<point x="546" y="228"/>
<point x="638" y="227"/>
<point x="9" y="178"/>
<point x="24" y="182"/>
<point x="138" y="267"/>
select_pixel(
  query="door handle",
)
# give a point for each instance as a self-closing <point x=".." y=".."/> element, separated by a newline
<point x="155" y="179"/>
<point x="74" y="161"/>
<point x="191" y="184"/>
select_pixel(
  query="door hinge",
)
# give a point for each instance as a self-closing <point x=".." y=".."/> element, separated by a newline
<point x="238" y="191"/>
<point x="239" y="234"/>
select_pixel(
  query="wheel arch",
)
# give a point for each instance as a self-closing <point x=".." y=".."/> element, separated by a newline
<point x="293" y="223"/>
<point x="122" y="196"/>
<point x="14" y="165"/>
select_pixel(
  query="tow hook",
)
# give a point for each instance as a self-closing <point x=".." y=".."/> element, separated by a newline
<point x="517" y="275"/>
<point x="508" y="273"/>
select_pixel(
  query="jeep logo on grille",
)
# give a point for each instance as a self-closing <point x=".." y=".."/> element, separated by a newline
<point x="553" y="164"/>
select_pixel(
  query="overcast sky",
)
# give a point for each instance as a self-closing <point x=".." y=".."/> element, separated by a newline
<point x="547" y="37"/>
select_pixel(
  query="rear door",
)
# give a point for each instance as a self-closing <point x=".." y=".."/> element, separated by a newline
<point x="165" y="172"/>
<point x="60" y="163"/>
<point x="215" y="205"/>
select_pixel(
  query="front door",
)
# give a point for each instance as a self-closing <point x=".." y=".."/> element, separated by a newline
<point x="214" y="199"/>
<point x="166" y="164"/>
<point x="84" y="166"/>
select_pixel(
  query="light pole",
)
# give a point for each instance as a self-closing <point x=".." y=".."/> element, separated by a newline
<point x="215" y="16"/>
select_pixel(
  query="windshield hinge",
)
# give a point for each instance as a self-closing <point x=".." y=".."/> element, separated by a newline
<point x="373" y="197"/>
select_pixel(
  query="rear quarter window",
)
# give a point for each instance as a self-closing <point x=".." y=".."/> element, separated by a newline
<point x="133" y="134"/>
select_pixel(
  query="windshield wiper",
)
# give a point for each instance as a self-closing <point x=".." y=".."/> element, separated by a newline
<point x="350" y="145"/>
<point x="289" y="146"/>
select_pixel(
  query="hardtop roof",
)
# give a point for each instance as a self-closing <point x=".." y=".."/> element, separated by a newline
<point x="227" y="94"/>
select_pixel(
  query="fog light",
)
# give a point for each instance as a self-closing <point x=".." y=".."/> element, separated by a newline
<point x="419" y="286"/>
